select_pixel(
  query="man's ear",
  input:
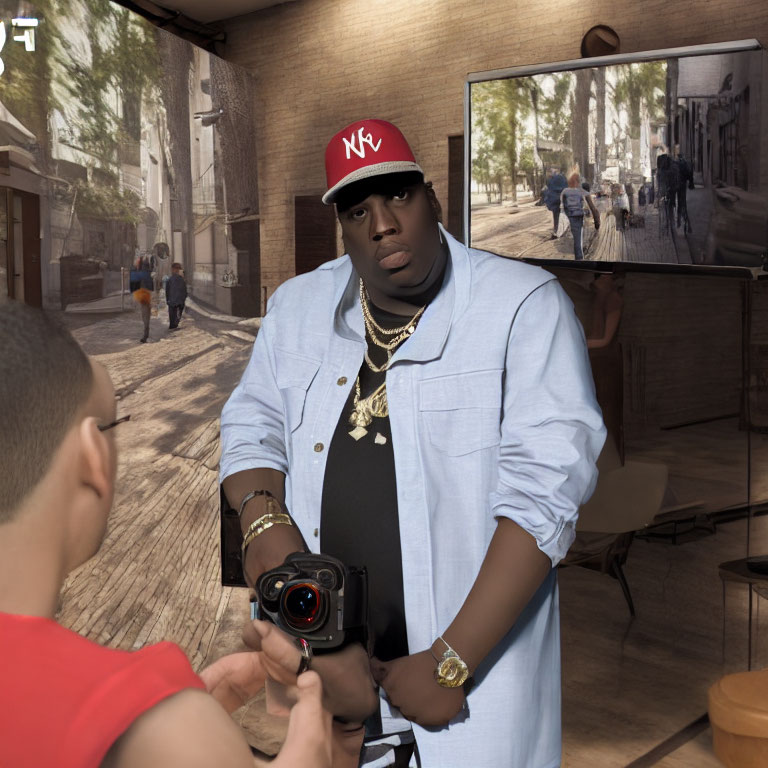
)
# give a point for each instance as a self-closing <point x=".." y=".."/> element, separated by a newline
<point x="96" y="459"/>
<point x="434" y="203"/>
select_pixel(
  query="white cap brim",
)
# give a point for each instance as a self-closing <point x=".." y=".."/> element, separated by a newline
<point x="379" y="169"/>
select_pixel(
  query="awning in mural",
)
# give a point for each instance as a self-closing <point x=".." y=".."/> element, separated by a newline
<point x="545" y="145"/>
<point x="13" y="129"/>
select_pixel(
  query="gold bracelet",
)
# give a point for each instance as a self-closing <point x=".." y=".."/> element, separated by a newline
<point x="253" y="495"/>
<point x="263" y="523"/>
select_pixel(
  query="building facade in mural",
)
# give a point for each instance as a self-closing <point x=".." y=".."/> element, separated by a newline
<point x="121" y="143"/>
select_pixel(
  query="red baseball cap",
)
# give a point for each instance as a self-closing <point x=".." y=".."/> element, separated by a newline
<point x="364" y="149"/>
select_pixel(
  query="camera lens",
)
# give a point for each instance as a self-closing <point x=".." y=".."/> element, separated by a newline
<point x="302" y="604"/>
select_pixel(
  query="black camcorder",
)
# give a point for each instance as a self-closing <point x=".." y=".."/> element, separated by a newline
<point x="316" y="597"/>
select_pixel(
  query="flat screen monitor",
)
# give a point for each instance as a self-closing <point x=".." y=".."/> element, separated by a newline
<point x="667" y="151"/>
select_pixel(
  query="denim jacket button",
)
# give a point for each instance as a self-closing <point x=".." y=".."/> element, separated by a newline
<point x="319" y="447"/>
<point x="342" y="381"/>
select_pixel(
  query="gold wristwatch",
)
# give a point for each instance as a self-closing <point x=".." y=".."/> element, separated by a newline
<point x="452" y="670"/>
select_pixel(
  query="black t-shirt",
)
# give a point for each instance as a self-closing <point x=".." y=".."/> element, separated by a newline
<point x="359" y="516"/>
<point x="359" y="521"/>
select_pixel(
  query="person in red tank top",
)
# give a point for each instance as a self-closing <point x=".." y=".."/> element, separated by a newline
<point x="67" y="701"/>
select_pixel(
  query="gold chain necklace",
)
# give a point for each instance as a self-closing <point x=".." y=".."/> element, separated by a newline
<point x="368" y="408"/>
<point x="389" y="345"/>
<point x="373" y="327"/>
<point x="365" y="409"/>
<point x="377" y="368"/>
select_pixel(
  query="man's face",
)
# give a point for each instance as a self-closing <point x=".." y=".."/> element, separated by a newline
<point x="391" y="235"/>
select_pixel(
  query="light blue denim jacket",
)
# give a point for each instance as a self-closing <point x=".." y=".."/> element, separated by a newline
<point x="493" y="413"/>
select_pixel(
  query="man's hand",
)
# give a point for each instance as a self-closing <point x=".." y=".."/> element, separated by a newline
<point x="348" y="688"/>
<point x="410" y="685"/>
<point x="309" y="739"/>
<point x="234" y="679"/>
<point x="347" y="744"/>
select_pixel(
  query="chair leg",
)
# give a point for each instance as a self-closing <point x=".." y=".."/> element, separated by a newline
<point x="619" y="574"/>
<point x="723" y="646"/>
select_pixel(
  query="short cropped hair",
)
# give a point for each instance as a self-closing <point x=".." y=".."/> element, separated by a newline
<point x="44" y="378"/>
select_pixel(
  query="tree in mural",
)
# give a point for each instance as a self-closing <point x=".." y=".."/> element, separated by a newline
<point x="640" y="89"/>
<point x="555" y="109"/>
<point x="488" y="165"/>
<point x="601" y="146"/>
<point x="501" y="107"/>
<point x="579" y="123"/>
<point x="110" y="91"/>
<point x="538" y="172"/>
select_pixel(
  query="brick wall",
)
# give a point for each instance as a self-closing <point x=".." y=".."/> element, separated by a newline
<point x="320" y="64"/>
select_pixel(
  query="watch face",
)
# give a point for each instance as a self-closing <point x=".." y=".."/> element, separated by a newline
<point x="451" y="672"/>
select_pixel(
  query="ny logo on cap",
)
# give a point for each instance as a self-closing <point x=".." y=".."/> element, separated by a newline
<point x="360" y="140"/>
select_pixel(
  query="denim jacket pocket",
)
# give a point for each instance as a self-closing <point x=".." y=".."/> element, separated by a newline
<point x="462" y="412"/>
<point x="294" y="374"/>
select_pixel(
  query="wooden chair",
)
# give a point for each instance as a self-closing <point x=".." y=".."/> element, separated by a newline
<point x="626" y="500"/>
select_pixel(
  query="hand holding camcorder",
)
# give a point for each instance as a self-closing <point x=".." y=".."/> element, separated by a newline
<point x="316" y="597"/>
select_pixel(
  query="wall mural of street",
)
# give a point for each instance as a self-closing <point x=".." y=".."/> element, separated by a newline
<point x="669" y="156"/>
<point x="122" y="146"/>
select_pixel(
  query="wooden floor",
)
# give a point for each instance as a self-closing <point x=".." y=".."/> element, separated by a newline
<point x="628" y="684"/>
<point x="708" y="463"/>
<point x="157" y="574"/>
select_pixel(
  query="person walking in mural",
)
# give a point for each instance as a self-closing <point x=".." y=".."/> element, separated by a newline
<point x="573" y="198"/>
<point x="629" y="188"/>
<point x="685" y="182"/>
<point x="668" y="179"/>
<point x="175" y="295"/>
<point x="620" y="205"/>
<point x="556" y="183"/>
<point x="143" y="297"/>
<point x="425" y="410"/>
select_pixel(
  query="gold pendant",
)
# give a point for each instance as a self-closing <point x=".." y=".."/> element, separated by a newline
<point x="361" y="416"/>
<point x="378" y="405"/>
<point x="365" y="410"/>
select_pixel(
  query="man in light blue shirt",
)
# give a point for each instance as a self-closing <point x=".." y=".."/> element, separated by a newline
<point x="433" y="404"/>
